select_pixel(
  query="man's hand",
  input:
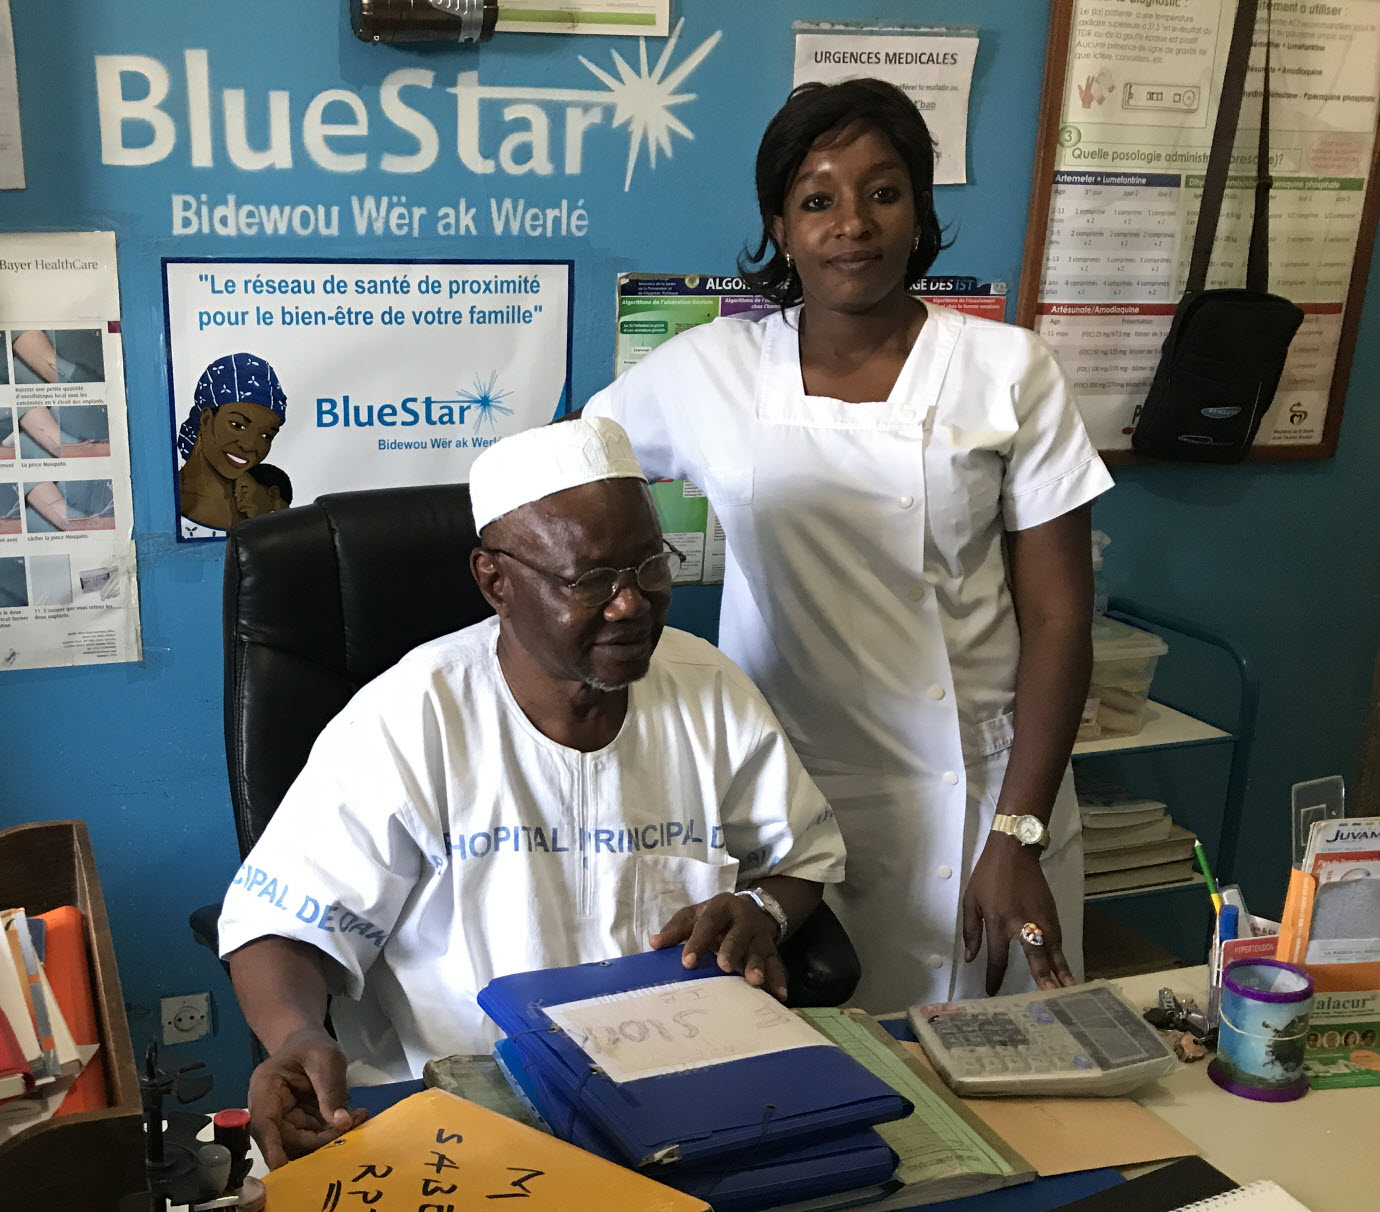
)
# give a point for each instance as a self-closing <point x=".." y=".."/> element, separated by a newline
<point x="1007" y="890"/>
<point x="743" y="935"/>
<point x="297" y="1098"/>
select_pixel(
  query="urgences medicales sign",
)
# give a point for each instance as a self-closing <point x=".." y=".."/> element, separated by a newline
<point x="495" y="131"/>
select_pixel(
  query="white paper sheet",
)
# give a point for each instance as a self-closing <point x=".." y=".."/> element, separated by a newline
<point x="11" y="146"/>
<point x="686" y="1025"/>
<point x="933" y="66"/>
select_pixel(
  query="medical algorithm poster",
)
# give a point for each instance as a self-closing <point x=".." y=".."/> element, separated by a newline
<point x="293" y="378"/>
<point x="1135" y="133"/>
<point x="653" y="308"/>
<point x="68" y="590"/>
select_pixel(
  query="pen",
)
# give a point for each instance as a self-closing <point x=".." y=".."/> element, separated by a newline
<point x="1227" y="923"/>
<point x="1207" y="875"/>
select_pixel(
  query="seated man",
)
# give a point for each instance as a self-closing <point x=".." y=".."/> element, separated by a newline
<point x="559" y="784"/>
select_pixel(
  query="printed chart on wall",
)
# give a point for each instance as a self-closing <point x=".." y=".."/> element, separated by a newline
<point x="653" y="308"/>
<point x="68" y="589"/>
<point x="933" y="65"/>
<point x="1136" y="115"/>
<point x="293" y="378"/>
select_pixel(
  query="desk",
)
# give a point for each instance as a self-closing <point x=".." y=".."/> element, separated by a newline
<point x="1321" y="1149"/>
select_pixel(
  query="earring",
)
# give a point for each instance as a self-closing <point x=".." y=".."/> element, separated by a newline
<point x="790" y="261"/>
<point x="915" y="244"/>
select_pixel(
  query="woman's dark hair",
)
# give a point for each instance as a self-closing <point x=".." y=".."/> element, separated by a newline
<point x="814" y="111"/>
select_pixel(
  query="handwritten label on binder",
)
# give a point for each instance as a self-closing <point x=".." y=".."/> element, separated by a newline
<point x="686" y="1025"/>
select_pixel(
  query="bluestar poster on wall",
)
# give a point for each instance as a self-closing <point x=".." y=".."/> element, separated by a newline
<point x="292" y="378"/>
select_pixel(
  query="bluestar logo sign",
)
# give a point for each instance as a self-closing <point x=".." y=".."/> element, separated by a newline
<point x="138" y="129"/>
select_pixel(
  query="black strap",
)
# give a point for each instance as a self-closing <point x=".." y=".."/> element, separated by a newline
<point x="1258" y="258"/>
<point x="1219" y="159"/>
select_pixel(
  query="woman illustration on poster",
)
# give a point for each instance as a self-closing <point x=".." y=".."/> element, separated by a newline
<point x="237" y="410"/>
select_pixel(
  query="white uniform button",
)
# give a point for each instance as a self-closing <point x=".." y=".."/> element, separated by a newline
<point x="916" y="593"/>
<point x="950" y="777"/>
<point x="907" y="414"/>
<point x="936" y="693"/>
<point x="946" y="873"/>
<point x="906" y="502"/>
<point x="936" y="961"/>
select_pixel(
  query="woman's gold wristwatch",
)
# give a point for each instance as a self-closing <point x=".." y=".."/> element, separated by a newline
<point x="1028" y="830"/>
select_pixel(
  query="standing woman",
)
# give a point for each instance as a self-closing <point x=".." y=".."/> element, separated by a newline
<point x="906" y="493"/>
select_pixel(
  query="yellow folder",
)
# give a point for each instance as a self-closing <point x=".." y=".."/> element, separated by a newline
<point x="435" y="1152"/>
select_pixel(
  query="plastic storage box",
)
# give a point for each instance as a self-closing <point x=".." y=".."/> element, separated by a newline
<point x="1124" y="660"/>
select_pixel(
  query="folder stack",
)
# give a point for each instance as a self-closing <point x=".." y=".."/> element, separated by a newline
<point x="47" y="1020"/>
<point x="694" y="1078"/>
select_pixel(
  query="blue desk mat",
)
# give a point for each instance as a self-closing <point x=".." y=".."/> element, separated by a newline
<point x="1041" y="1195"/>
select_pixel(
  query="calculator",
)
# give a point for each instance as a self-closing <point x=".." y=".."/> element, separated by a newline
<point x="1080" y="1040"/>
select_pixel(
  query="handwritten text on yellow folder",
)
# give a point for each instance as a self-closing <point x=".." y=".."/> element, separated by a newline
<point x="434" y="1152"/>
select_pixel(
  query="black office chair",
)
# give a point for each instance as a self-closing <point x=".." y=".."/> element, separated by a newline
<point x="323" y="598"/>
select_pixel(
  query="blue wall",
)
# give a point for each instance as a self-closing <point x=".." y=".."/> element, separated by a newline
<point x="1281" y="558"/>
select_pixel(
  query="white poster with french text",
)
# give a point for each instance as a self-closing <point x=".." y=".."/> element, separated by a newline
<point x="293" y="378"/>
<point x="68" y="590"/>
<point x="932" y="66"/>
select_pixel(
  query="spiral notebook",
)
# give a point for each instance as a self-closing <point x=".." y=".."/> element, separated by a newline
<point x="1255" y="1197"/>
<point x="1262" y="1196"/>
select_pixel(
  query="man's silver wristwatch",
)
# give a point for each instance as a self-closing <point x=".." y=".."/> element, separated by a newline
<point x="1028" y="830"/>
<point x="770" y="906"/>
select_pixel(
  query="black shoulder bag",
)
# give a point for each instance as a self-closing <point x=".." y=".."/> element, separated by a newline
<point x="1221" y="362"/>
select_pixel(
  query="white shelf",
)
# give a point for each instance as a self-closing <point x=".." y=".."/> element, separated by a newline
<point x="1164" y="727"/>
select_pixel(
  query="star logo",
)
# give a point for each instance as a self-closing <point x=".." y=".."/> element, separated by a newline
<point x="643" y="99"/>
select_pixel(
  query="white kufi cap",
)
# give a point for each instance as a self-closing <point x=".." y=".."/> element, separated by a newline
<point x="537" y="462"/>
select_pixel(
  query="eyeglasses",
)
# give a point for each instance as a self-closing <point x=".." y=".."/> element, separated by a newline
<point x="599" y="586"/>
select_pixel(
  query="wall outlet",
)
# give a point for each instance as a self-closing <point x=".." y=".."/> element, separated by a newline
<point x="186" y="1018"/>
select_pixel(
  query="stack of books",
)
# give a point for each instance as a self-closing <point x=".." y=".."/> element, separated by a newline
<point x="43" y="1056"/>
<point x="1129" y="841"/>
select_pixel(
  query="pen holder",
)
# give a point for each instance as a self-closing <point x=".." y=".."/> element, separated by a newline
<point x="1263" y="1030"/>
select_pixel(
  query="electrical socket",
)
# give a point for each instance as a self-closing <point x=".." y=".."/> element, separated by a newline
<point x="186" y="1018"/>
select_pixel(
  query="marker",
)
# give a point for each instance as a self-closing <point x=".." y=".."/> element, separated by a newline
<point x="1226" y="923"/>
<point x="1207" y="876"/>
<point x="232" y="1131"/>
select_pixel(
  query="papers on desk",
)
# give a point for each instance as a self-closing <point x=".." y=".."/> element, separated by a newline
<point x="944" y="1150"/>
<point x="682" y="1026"/>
